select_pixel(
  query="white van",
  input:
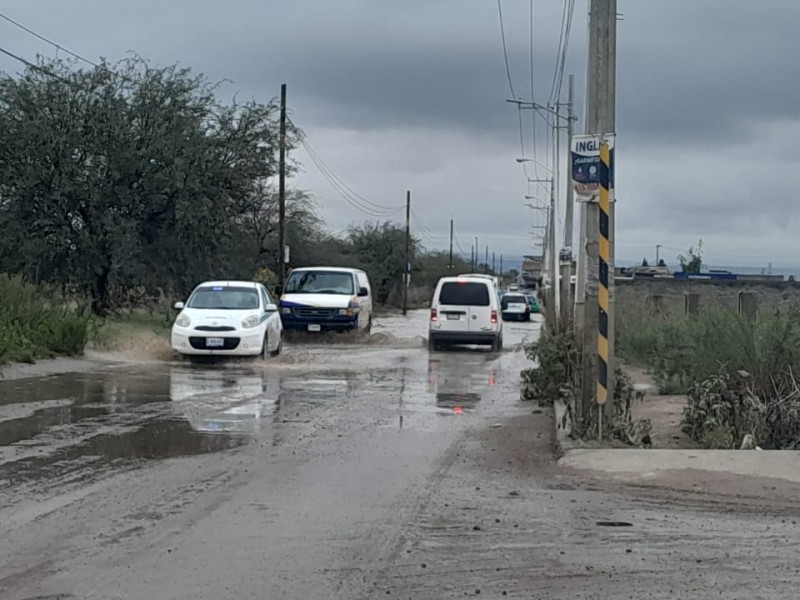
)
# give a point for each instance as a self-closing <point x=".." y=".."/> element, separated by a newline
<point x="326" y="299"/>
<point x="465" y="310"/>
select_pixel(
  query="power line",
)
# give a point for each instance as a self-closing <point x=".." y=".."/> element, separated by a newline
<point x="350" y="196"/>
<point x="48" y="41"/>
<point x="335" y="183"/>
<point x="505" y="48"/>
<point x="61" y="48"/>
<point x="33" y="66"/>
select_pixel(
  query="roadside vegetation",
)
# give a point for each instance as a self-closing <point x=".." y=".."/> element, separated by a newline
<point x="36" y="325"/>
<point x="555" y="377"/>
<point x="124" y="186"/>
<point x="739" y="374"/>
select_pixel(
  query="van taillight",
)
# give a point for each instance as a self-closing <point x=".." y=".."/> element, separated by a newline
<point x="494" y="316"/>
<point x="434" y="316"/>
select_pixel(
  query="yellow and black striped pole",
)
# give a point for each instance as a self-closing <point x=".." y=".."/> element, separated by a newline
<point x="604" y="252"/>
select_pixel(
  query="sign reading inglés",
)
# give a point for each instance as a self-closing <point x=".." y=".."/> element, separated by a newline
<point x="585" y="165"/>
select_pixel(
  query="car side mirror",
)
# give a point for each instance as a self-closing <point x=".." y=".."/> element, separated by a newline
<point x="179" y="306"/>
<point x="271" y="308"/>
<point x="363" y="292"/>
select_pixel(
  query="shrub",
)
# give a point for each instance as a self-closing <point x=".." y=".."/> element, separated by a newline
<point x="33" y="325"/>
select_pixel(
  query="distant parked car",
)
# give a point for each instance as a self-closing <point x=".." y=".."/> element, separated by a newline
<point x="228" y="318"/>
<point x="515" y="306"/>
<point x="534" y="305"/>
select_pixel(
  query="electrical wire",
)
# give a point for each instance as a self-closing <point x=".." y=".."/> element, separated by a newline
<point x="33" y="66"/>
<point x="361" y="199"/>
<point x="505" y="48"/>
<point x="355" y="200"/>
<point x="48" y="41"/>
<point x="61" y="48"/>
<point x="342" y="190"/>
<point x="561" y="54"/>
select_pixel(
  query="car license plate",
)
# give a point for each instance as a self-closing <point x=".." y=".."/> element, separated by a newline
<point x="215" y="342"/>
<point x="453" y="317"/>
<point x="315" y="327"/>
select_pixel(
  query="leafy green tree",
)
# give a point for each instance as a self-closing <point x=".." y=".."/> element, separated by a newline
<point x="380" y="250"/>
<point x="131" y="176"/>
<point x="692" y="262"/>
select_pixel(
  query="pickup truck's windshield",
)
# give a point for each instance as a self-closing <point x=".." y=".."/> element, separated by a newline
<point x="320" y="282"/>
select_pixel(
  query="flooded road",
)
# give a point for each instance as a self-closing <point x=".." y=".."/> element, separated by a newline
<point x="346" y="469"/>
<point x="136" y="444"/>
<point x="77" y="428"/>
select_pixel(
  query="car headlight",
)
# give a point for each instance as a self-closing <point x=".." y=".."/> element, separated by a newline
<point x="183" y="321"/>
<point x="250" y="322"/>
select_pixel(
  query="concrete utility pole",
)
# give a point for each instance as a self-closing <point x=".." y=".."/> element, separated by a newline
<point x="554" y="194"/>
<point x="600" y="119"/>
<point x="658" y="254"/>
<point x="566" y="270"/>
<point x="450" y="261"/>
<point x="477" y="251"/>
<point x="282" y="192"/>
<point x="407" y="266"/>
<point x="554" y="297"/>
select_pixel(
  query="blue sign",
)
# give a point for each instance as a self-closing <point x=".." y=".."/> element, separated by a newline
<point x="586" y="169"/>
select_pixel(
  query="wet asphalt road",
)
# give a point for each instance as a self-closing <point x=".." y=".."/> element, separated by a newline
<point x="165" y="480"/>
<point x="343" y="471"/>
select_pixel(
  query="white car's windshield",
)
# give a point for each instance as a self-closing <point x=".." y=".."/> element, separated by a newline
<point x="320" y="282"/>
<point x="224" y="298"/>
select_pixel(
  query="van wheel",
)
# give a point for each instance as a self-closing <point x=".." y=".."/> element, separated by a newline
<point x="497" y="345"/>
<point x="434" y="346"/>
<point x="368" y="329"/>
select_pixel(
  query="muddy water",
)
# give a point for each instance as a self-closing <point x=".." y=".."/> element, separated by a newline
<point x="75" y="428"/>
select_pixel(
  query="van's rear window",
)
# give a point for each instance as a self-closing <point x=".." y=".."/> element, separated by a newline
<point x="465" y="293"/>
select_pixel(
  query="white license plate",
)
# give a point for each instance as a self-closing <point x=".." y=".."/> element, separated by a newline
<point x="215" y="342"/>
<point x="315" y="327"/>
<point x="453" y="317"/>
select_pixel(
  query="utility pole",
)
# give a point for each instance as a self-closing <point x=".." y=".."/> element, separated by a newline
<point x="472" y="258"/>
<point x="494" y="264"/>
<point x="658" y="254"/>
<point x="501" y="267"/>
<point x="450" y="261"/>
<point x="477" y="260"/>
<point x="600" y="120"/>
<point x="566" y="270"/>
<point x="486" y="261"/>
<point x="553" y="313"/>
<point x="407" y="266"/>
<point x="554" y="270"/>
<point x="282" y="193"/>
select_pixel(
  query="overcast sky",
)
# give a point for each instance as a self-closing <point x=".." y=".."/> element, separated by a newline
<point x="410" y="94"/>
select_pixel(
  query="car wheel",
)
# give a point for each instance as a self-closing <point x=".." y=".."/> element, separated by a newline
<point x="277" y="350"/>
<point x="265" y="347"/>
<point x="368" y="330"/>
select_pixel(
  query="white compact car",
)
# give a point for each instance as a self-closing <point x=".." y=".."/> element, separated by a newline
<point x="465" y="310"/>
<point x="228" y="318"/>
<point x="515" y="306"/>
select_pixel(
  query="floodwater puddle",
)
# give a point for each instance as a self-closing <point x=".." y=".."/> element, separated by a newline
<point x="76" y="426"/>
